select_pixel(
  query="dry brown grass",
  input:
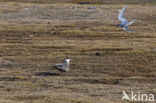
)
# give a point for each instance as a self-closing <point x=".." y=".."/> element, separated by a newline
<point x="117" y="60"/>
<point x="90" y="1"/>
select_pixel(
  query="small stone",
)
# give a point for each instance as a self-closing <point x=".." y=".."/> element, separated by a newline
<point x="97" y="54"/>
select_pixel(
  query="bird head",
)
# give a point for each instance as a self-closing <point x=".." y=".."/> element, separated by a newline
<point x="67" y="60"/>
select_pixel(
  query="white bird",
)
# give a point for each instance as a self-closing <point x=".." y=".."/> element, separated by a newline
<point x="124" y="23"/>
<point x="63" y="67"/>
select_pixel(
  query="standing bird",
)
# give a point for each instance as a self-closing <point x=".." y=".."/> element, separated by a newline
<point x="63" y="67"/>
<point x="124" y="23"/>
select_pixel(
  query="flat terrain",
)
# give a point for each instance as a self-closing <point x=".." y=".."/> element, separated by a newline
<point x="105" y="60"/>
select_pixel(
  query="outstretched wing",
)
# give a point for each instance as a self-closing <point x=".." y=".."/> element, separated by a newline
<point x="121" y="15"/>
<point x="128" y="30"/>
<point x="131" y="22"/>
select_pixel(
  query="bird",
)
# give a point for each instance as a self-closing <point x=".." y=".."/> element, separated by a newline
<point x="63" y="67"/>
<point x="87" y="67"/>
<point x="124" y="23"/>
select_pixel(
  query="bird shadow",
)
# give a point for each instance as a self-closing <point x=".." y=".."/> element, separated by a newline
<point x="46" y="74"/>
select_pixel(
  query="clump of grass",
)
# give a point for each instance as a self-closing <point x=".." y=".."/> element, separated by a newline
<point x="16" y="78"/>
<point x="27" y="97"/>
<point x="72" y="32"/>
<point x="76" y="33"/>
<point x="24" y="28"/>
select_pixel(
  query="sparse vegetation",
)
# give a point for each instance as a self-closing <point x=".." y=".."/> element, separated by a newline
<point x="79" y="1"/>
<point x="105" y="60"/>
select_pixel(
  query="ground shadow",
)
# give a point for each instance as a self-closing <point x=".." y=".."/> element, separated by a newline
<point x="46" y="74"/>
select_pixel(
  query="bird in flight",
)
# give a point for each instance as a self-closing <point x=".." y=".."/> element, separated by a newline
<point x="124" y="23"/>
<point x="63" y="67"/>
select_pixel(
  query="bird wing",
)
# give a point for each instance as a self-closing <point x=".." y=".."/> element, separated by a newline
<point x="127" y="29"/>
<point x="62" y="67"/>
<point x="58" y="66"/>
<point x="121" y="15"/>
<point x="131" y="22"/>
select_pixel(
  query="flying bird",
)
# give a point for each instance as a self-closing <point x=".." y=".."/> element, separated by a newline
<point x="63" y="67"/>
<point x="124" y="23"/>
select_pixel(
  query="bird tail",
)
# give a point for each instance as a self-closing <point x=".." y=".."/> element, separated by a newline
<point x="131" y="22"/>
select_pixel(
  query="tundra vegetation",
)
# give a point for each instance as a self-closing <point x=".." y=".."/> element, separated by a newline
<point x="105" y="60"/>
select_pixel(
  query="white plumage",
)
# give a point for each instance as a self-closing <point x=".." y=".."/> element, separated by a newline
<point x="63" y="67"/>
<point x="124" y="23"/>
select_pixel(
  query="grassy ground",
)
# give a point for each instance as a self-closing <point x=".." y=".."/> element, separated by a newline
<point x="33" y="37"/>
<point x="81" y="1"/>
